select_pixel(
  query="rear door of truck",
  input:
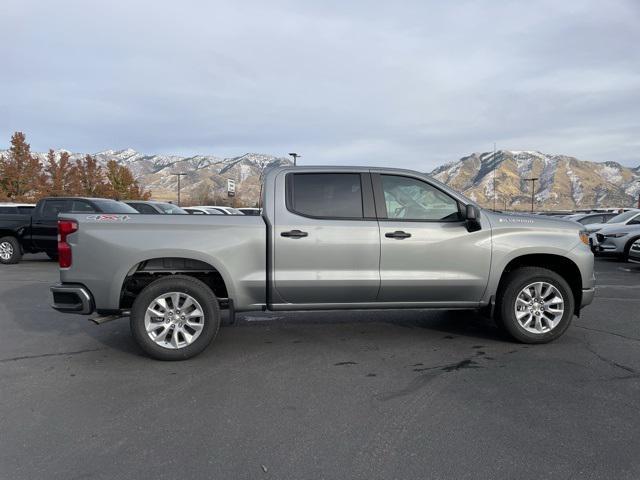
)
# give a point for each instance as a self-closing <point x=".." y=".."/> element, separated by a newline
<point x="326" y="240"/>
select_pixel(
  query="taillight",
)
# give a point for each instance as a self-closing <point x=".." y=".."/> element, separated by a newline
<point x="65" y="227"/>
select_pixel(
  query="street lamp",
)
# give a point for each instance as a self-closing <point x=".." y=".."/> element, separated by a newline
<point x="178" y="175"/>
<point x="295" y="157"/>
<point x="533" y="189"/>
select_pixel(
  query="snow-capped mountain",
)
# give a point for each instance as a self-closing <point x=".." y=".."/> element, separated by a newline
<point x="206" y="175"/>
<point x="563" y="182"/>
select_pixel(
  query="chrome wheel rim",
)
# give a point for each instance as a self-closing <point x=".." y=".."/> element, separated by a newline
<point x="174" y="320"/>
<point x="539" y="307"/>
<point x="6" y="251"/>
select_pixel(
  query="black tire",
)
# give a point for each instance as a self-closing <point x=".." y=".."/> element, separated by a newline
<point x="627" y="247"/>
<point x="512" y="285"/>
<point x="53" y="256"/>
<point x="175" y="283"/>
<point x="16" y="250"/>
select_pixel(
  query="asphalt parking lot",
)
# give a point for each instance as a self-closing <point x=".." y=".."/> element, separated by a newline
<point x="339" y="395"/>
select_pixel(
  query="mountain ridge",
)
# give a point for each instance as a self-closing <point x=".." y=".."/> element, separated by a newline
<point x="563" y="182"/>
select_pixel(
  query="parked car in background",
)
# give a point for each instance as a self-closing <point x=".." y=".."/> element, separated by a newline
<point x="151" y="207"/>
<point x="590" y="218"/>
<point x="634" y="252"/>
<point x="332" y="238"/>
<point x="222" y="209"/>
<point x="202" y="211"/>
<point x="630" y="217"/>
<point x="251" y="211"/>
<point x="38" y="231"/>
<point x="16" y="208"/>
<point x="615" y="240"/>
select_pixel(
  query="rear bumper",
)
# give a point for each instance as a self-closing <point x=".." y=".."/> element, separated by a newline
<point x="72" y="298"/>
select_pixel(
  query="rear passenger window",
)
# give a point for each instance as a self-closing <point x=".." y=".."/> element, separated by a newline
<point x="325" y="195"/>
<point x="81" y="207"/>
<point x="52" y="208"/>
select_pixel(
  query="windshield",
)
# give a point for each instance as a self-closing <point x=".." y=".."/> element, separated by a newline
<point x="623" y="217"/>
<point x="171" y="209"/>
<point x="113" y="206"/>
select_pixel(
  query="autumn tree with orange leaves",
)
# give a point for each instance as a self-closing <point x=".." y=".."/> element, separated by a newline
<point x="23" y="177"/>
<point x="60" y="178"/>
<point x="122" y="185"/>
<point x="88" y="178"/>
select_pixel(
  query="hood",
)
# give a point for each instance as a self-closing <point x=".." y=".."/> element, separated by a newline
<point x="595" y="227"/>
<point x="619" y="228"/>
<point x="531" y="221"/>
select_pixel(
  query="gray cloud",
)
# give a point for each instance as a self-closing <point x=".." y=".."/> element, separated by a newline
<point x="411" y="84"/>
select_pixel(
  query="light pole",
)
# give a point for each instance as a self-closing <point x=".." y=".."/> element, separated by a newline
<point x="533" y="189"/>
<point x="295" y="157"/>
<point x="495" y="195"/>
<point x="178" y="175"/>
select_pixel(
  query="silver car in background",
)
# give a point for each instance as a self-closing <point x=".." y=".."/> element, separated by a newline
<point x="630" y="217"/>
<point x="220" y="208"/>
<point x="616" y="240"/>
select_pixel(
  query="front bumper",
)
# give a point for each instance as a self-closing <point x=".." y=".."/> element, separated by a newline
<point x="587" y="296"/>
<point x="72" y="298"/>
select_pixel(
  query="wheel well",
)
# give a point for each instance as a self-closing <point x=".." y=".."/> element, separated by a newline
<point x="150" y="270"/>
<point x="561" y="265"/>
<point x="627" y="246"/>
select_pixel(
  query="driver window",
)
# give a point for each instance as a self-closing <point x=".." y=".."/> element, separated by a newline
<point x="411" y="199"/>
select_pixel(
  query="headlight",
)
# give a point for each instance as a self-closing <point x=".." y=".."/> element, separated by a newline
<point x="584" y="237"/>
<point x="614" y="235"/>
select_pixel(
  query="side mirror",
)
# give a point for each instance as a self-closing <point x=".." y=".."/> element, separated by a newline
<point x="472" y="218"/>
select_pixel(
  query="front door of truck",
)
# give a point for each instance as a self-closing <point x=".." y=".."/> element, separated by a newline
<point x="426" y="252"/>
<point x="326" y="240"/>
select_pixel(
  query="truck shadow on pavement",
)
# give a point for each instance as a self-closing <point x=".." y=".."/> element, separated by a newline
<point x="35" y="316"/>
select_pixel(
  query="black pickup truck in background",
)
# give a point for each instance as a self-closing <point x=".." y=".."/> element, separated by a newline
<point x="38" y="232"/>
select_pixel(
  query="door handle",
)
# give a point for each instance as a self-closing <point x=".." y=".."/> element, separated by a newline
<point x="294" y="234"/>
<point x="398" y="234"/>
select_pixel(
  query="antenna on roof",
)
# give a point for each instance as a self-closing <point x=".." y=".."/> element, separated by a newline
<point x="295" y="157"/>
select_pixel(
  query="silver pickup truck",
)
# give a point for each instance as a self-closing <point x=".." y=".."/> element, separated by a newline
<point x="328" y="238"/>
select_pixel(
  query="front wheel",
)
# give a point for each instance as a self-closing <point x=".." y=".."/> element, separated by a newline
<point x="536" y="305"/>
<point x="175" y="318"/>
<point x="627" y="248"/>
<point x="10" y="251"/>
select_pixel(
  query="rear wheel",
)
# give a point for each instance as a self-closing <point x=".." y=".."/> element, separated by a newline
<point x="175" y="318"/>
<point x="10" y="251"/>
<point x="535" y="305"/>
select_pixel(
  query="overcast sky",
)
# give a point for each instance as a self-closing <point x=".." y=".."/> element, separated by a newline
<point x="411" y="84"/>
